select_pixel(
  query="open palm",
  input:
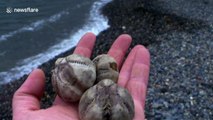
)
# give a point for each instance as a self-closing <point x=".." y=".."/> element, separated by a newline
<point x="133" y="76"/>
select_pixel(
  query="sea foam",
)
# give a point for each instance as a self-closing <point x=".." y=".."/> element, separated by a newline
<point x="95" y="23"/>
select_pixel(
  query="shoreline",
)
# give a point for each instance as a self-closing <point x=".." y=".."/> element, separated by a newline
<point x="180" y="75"/>
<point x="20" y="65"/>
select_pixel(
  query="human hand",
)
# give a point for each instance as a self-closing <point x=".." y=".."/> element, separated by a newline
<point x="133" y="76"/>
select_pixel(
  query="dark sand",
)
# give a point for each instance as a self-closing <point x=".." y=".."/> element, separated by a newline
<point x="179" y="35"/>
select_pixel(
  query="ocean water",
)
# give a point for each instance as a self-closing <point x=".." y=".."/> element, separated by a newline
<point x="28" y="39"/>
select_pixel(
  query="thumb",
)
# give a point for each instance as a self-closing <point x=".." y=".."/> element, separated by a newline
<point x="27" y="97"/>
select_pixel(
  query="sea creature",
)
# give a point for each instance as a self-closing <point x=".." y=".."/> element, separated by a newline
<point x="106" y="68"/>
<point x="106" y="101"/>
<point x="72" y="76"/>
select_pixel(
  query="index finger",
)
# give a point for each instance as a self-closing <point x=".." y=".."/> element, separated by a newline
<point x="84" y="48"/>
<point x="85" y="45"/>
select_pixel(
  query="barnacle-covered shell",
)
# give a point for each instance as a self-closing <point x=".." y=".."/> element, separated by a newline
<point x="106" y="101"/>
<point x="72" y="76"/>
<point x="106" y="68"/>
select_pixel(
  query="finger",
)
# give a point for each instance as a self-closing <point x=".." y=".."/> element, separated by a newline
<point x="83" y="48"/>
<point x="139" y="111"/>
<point x="126" y="69"/>
<point x="28" y="96"/>
<point x="85" y="45"/>
<point x="139" y="75"/>
<point x="119" y="48"/>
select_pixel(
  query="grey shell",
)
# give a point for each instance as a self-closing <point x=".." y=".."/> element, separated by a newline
<point x="106" y="68"/>
<point x="72" y="76"/>
<point x="106" y="101"/>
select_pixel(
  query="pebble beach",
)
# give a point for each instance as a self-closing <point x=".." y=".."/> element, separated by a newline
<point x="179" y="36"/>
